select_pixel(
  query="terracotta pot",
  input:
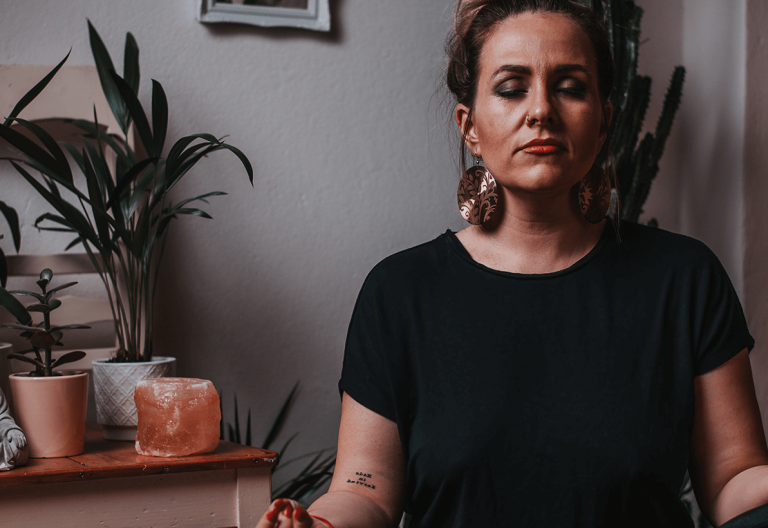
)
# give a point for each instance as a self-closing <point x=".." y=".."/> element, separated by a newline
<point x="51" y="412"/>
<point x="114" y="385"/>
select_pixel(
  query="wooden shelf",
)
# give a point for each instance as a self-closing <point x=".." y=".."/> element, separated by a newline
<point x="112" y="485"/>
<point x="104" y="459"/>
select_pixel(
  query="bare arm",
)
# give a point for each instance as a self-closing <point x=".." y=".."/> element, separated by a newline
<point x="367" y="489"/>
<point x="729" y="457"/>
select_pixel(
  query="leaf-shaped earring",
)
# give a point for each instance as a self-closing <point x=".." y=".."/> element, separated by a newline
<point x="477" y="194"/>
<point x="595" y="194"/>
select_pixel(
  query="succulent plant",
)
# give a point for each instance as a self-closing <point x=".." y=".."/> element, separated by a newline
<point x="42" y="337"/>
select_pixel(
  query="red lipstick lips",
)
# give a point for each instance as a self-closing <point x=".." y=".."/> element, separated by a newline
<point x="543" y="146"/>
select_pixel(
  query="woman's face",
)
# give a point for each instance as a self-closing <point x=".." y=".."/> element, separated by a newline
<point x="537" y="84"/>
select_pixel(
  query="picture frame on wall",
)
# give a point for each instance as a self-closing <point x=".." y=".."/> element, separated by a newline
<point x="305" y="14"/>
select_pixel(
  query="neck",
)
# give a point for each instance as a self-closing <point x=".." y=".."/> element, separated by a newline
<point x="533" y="234"/>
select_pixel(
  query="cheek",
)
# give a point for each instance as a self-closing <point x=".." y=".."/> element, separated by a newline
<point x="589" y="134"/>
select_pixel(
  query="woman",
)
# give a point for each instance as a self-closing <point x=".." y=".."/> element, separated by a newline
<point x="538" y="369"/>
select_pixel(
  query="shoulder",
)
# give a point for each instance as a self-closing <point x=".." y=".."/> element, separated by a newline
<point x="658" y="246"/>
<point x="410" y="267"/>
<point x="414" y="262"/>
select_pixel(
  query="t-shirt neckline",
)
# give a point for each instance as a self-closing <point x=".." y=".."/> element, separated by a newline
<point x="462" y="252"/>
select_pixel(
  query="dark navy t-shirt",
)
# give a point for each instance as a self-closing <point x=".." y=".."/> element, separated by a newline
<point x="557" y="400"/>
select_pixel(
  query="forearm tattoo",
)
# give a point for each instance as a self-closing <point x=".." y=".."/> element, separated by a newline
<point x="362" y="479"/>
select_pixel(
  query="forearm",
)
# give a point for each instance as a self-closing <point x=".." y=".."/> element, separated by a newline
<point x="745" y="491"/>
<point x="347" y="509"/>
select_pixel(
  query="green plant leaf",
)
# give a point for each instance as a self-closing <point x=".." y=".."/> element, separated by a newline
<point x="180" y="145"/>
<point x="54" y="303"/>
<point x="237" y="422"/>
<point x="100" y="216"/>
<point x="59" y="288"/>
<point x="3" y="269"/>
<point x="37" y="296"/>
<point x="70" y="327"/>
<point x="159" y="117"/>
<point x="34" y="92"/>
<point x="186" y="161"/>
<point x="104" y="67"/>
<point x="24" y="358"/>
<point x="243" y="159"/>
<point x="62" y="167"/>
<point x="24" y="327"/>
<point x="74" y="242"/>
<point x="131" y="63"/>
<point x="55" y="219"/>
<point x="115" y="143"/>
<point x="248" y="440"/>
<point x="100" y="166"/>
<point x="67" y="210"/>
<point x="277" y="425"/>
<point x="41" y="339"/>
<point x="202" y="198"/>
<point x="16" y="309"/>
<point x="41" y="308"/>
<point x="57" y="336"/>
<point x="125" y="182"/>
<point x="45" y="275"/>
<point x="136" y="112"/>
<point x="30" y="149"/>
<point x="12" y="217"/>
<point x="69" y="357"/>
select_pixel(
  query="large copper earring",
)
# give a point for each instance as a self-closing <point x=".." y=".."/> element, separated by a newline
<point x="477" y="195"/>
<point x="595" y="194"/>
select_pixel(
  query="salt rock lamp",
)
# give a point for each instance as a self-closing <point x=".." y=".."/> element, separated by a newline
<point x="177" y="417"/>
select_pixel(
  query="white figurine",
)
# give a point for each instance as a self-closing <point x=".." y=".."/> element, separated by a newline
<point x="13" y="444"/>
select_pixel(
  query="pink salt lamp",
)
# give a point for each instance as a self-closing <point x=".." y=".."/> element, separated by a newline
<point x="177" y="417"/>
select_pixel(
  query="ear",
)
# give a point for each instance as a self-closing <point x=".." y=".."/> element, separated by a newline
<point x="467" y="129"/>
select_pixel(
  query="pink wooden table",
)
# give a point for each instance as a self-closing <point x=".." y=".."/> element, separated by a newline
<point x="111" y="486"/>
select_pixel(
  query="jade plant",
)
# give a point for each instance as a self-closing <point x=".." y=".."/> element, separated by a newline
<point x="122" y="216"/>
<point x="42" y="336"/>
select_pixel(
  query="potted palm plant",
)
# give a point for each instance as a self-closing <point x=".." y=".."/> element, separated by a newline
<point x="50" y="405"/>
<point x="121" y="218"/>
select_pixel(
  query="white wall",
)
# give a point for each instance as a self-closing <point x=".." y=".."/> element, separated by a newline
<point x="699" y="189"/>
<point x="352" y="164"/>
<point x="756" y="195"/>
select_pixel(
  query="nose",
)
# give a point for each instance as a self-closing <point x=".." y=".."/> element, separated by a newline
<point x="541" y="111"/>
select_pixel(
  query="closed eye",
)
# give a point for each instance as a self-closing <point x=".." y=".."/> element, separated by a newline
<point x="510" y="94"/>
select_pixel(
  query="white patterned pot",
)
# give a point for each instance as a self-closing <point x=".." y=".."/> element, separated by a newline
<point x="115" y="384"/>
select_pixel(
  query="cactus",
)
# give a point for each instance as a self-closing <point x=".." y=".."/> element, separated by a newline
<point x="636" y="164"/>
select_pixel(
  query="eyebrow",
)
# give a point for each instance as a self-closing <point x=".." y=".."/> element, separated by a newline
<point x="525" y="70"/>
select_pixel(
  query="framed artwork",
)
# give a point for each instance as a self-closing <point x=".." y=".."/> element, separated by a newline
<point x="305" y="14"/>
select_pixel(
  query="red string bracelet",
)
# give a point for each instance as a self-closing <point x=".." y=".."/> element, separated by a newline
<point x="329" y="525"/>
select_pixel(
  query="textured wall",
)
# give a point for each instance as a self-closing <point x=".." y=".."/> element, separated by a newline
<point x="756" y="195"/>
<point x="352" y="163"/>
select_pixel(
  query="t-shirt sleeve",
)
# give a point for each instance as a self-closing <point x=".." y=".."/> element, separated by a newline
<point x="720" y="323"/>
<point x="370" y="351"/>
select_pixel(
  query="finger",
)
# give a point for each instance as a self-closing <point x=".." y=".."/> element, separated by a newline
<point x="285" y="517"/>
<point x="269" y="519"/>
<point x="301" y="518"/>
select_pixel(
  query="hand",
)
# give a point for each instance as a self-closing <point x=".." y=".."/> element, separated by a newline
<point x="17" y="439"/>
<point x="286" y="513"/>
<point x="17" y="442"/>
